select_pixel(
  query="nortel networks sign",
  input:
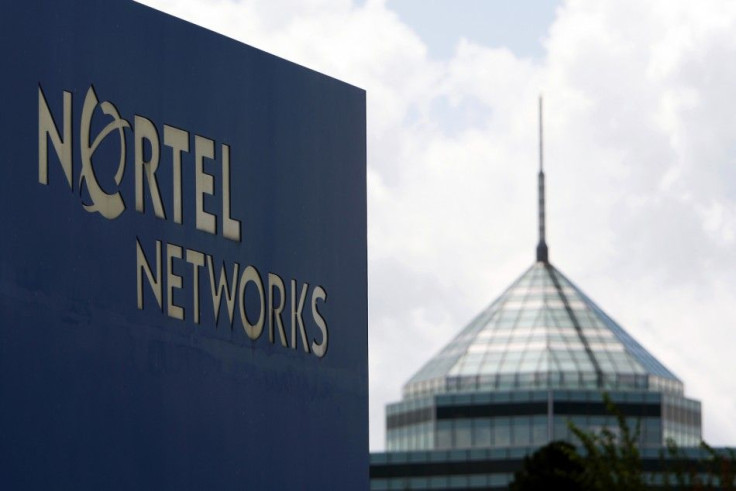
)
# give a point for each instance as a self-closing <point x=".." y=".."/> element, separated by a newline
<point x="155" y="268"/>
<point x="183" y="274"/>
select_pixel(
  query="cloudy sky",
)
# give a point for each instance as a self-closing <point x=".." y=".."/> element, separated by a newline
<point x="640" y="154"/>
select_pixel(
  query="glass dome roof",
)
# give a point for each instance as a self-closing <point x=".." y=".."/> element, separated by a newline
<point x="542" y="332"/>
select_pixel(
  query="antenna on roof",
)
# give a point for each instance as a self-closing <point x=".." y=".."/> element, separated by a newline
<point x="542" y="250"/>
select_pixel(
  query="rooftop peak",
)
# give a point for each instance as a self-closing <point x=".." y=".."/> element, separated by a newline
<point x="542" y="249"/>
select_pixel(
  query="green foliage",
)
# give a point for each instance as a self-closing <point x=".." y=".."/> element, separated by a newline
<point x="721" y="470"/>
<point x="611" y="461"/>
<point x="553" y="466"/>
<point x="717" y="471"/>
<point x="675" y="467"/>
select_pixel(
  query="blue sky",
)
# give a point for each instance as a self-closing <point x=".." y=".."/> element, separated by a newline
<point x="519" y="25"/>
<point x="639" y="156"/>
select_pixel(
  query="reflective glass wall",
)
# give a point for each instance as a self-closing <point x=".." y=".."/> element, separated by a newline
<point x="534" y="418"/>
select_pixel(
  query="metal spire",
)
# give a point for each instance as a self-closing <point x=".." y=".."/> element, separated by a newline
<point x="542" y="250"/>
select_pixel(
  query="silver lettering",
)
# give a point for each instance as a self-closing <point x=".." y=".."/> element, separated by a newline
<point x="146" y="130"/>
<point x="296" y="315"/>
<point x="230" y="227"/>
<point x="145" y="134"/>
<point x="250" y="275"/>
<point x="274" y="281"/>
<point x="204" y="183"/>
<point x="319" y="349"/>
<point x="172" y="281"/>
<point x="178" y="140"/>
<point x="223" y="286"/>
<point x="109" y="205"/>
<point x="47" y="129"/>
<point x="196" y="259"/>
<point x="154" y="281"/>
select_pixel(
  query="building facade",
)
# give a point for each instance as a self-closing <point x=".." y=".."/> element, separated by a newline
<point x="539" y="359"/>
<point x="539" y="356"/>
<point x="535" y="362"/>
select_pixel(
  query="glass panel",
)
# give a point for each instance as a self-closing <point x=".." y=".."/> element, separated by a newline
<point x="481" y="433"/>
<point x="463" y="438"/>
<point x="502" y="432"/>
<point x="539" y="432"/>
<point x="444" y="435"/>
<point x="521" y="431"/>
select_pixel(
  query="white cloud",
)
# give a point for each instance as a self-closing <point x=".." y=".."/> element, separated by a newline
<point x="640" y="159"/>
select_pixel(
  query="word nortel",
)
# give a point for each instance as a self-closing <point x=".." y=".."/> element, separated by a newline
<point x="272" y="294"/>
<point x="111" y="205"/>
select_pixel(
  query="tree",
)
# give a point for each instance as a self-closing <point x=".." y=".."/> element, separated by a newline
<point x="611" y="461"/>
<point x="553" y="466"/>
<point x="608" y="461"/>
<point x="717" y="471"/>
<point x="721" y="468"/>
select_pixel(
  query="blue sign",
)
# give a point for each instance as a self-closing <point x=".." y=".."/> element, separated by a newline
<point x="182" y="259"/>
